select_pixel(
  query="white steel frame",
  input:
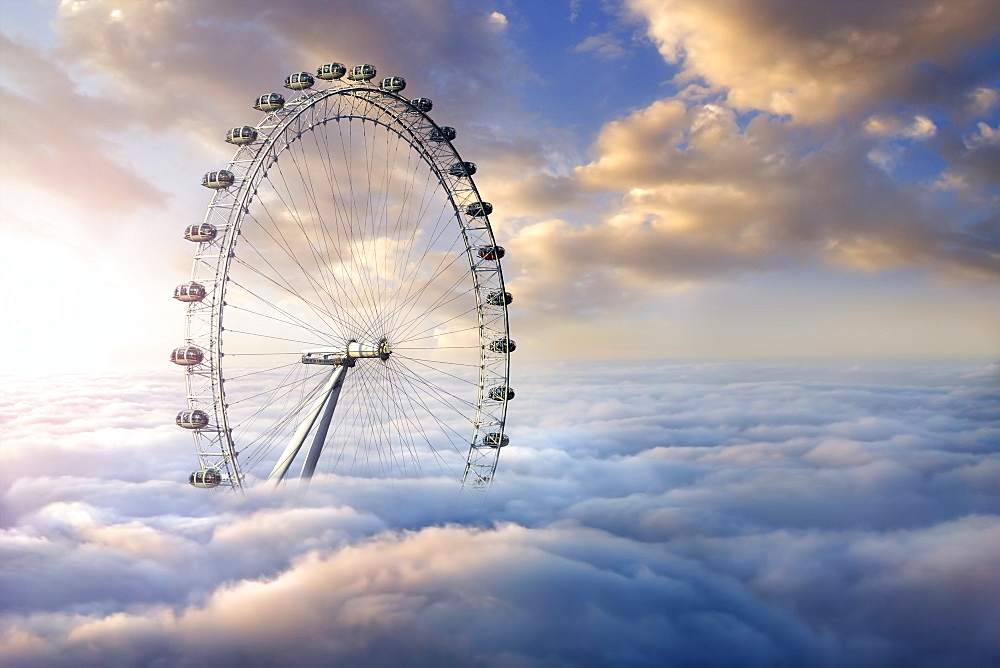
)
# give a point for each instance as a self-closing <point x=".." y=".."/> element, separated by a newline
<point x="205" y="383"/>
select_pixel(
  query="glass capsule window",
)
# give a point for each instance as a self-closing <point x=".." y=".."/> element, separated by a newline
<point x="269" y="102"/>
<point x="491" y="252"/>
<point x="478" y="209"/>
<point x="495" y="440"/>
<point x="189" y="292"/>
<point x="192" y="419"/>
<point x="200" y="232"/>
<point x="331" y="71"/>
<point x="186" y="356"/>
<point x="362" y="73"/>
<point x="503" y="346"/>
<point x="442" y="134"/>
<point x="393" y="84"/>
<point x="422" y="104"/>
<point x="206" y="478"/>
<point x="299" y="81"/>
<point x="218" y="179"/>
<point x="461" y="169"/>
<point x="501" y="393"/>
<point x="242" y="135"/>
<point x="499" y="298"/>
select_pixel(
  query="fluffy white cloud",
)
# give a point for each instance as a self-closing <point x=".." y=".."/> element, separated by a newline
<point x="701" y="514"/>
<point x="808" y="133"/>
<point x="814" y="60"/>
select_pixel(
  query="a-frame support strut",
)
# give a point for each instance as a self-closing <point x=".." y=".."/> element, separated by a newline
<point x="329" y="395"/>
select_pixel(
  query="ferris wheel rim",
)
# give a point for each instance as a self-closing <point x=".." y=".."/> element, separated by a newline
<point x="407" y="121"/>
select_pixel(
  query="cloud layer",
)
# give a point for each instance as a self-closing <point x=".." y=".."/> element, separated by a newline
<point x="685" y="514"/>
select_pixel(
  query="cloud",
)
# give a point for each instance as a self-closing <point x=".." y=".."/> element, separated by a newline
<point x="984" y="135"/>
<point x="186" y="65"/>
<point x="62" y="136"/>
<point x="700" y="514"/>
<point x="499" y="20"/>
<point x="606" y="45"/>
<point x="802" y="134"/>
<point x="886" y="126"/>
<point x="815" y="61"/>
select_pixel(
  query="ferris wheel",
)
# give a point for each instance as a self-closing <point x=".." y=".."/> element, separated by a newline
<point x="346" y="313"/>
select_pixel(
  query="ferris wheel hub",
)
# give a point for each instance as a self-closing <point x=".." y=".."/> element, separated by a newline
<point x="347" y="355"/>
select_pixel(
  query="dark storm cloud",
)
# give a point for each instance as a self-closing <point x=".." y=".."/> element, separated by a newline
<point x="667" y="514"/>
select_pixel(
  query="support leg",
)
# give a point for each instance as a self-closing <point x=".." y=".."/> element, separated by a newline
<point x="319" y="439"/>
<point x="292" y="449"/>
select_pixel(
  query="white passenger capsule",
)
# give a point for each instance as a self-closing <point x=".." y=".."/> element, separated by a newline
<point x="242" y="135"/>
<point x="299" y="81"/>
<point x="206" y="478"/>
<point x="269" y="102"/>
<point x="186" y="356"/>
<point x="461" y="169"/>
<point x="499" y="298"/>
<point x="392" y="84"/>
<point x="189" y="292"/>
<point x="331" y="71"/>
<point x="200" y="232"/>
<point x="422" y="104"/>
<point x="443" y="133"/>
<point x="479" y="209"/>
<point x="362" y="73"/>
<point x="219" y="179"/>
<point x="501" y="393"/>
<point x="195" y="419"/>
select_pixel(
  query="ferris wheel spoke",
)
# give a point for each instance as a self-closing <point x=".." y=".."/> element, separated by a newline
<point x="406" y="327"/>
<point x="257" y="395"/>
<point x="322" y="311"/>
<point x="410" y="278"/>
<point x="432" y="389"/>
<point x="401" y="319"/>
<point x="286" y="199"/>
<point x="431" y="364"/>
<point x="260" y="371"/>
<point x="414" y="408"/>
<point x="356" y="219"/>
<point x="417" y="391"/>
<point x="411" y="339"/>
<point x="412" y="418"/>
<point x="340" y="214"/>
<point x="413" y="336"/>
<point x="321" y="256"/>
<point x="284" y="400"/>
<point x="376" y="431"/>
<point x="293" y="323"/>
<point x="316" y="309"/>
<point x="323" y="292"/>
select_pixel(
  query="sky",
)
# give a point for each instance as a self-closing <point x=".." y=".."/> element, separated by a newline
<point x="725" y="179"/>
<point x="754" y="248"/>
